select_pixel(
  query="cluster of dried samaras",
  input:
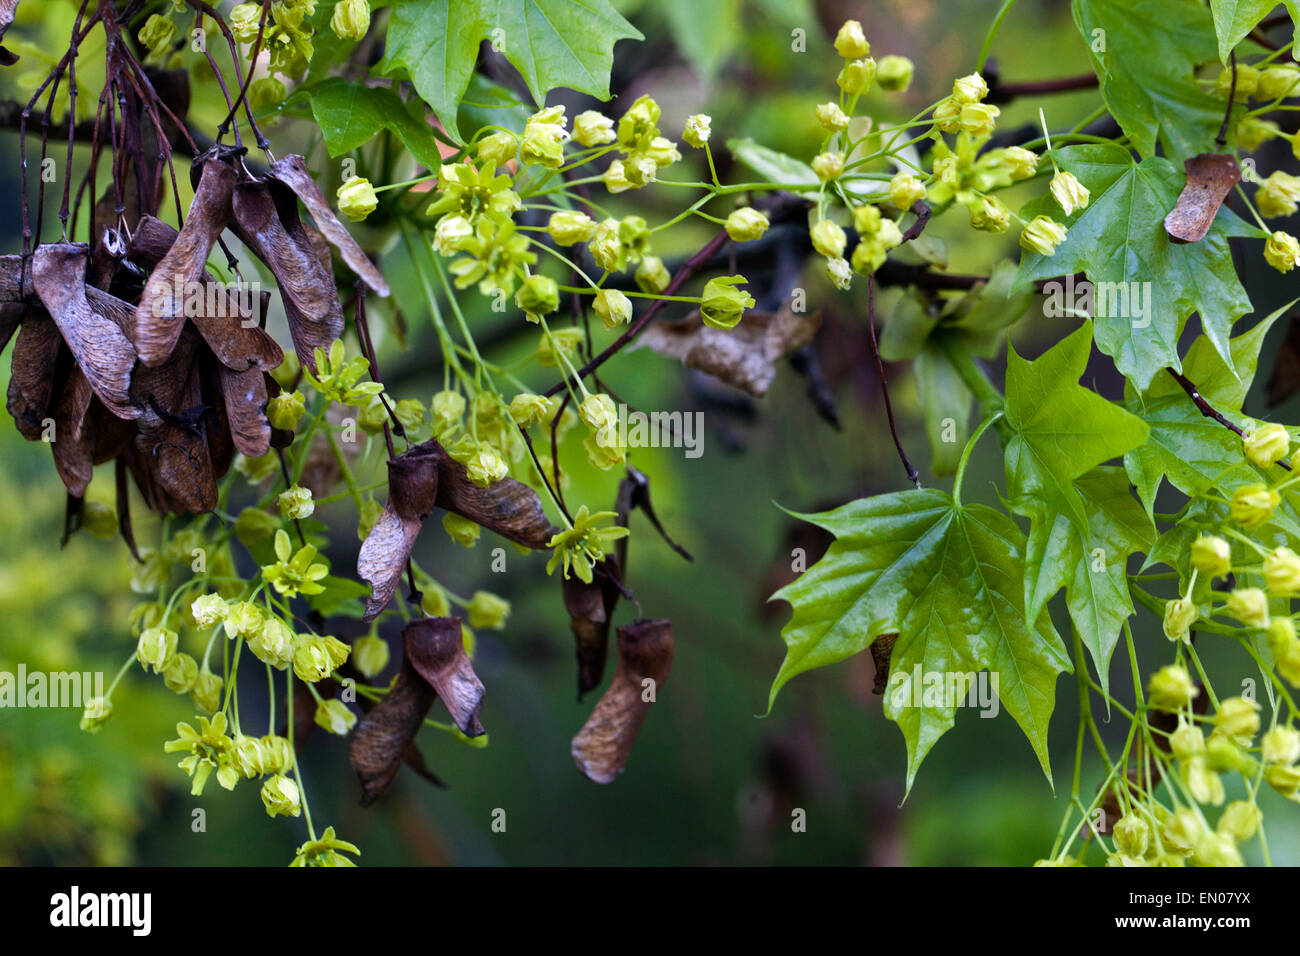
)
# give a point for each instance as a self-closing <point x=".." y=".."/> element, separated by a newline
<point x="132" y="352"/>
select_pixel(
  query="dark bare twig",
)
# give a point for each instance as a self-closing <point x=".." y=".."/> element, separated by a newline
<point x="1222" y="138"/>
<point x="1208" y="410"/>
<point x="884" y="384"/>
<point x="1000" y="92"/>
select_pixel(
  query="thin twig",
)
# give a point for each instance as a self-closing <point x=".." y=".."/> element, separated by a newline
<point x="1208" y="410"/>
<point x="884" y="384"/>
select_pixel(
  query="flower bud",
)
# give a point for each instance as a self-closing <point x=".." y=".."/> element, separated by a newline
<point x="652" y="275"/>
<point x="593" y="128"/>
<point x="613" y="307"/>
<point x="156" y="36"/>
<point x="868" y="256"/>
<point x="156" y="648"/>
<point x="1247" y="80"/>
<point x="1278" y="82"/>
<point x="1132" y="834"/>
<point x="828" y="166"/>
<point x="450" y="234"/>
<point x="1252" y="133"/>
<point x="1237" y="717"/>
<point x="1252" y="505"/>
<point x="894" y="73"/>
<point x="485" y="467"/>
<point x="988" y="214"/>
<point x="1285" y="780"/>
<point x="497" y="149"/>
<point x="1282" y="572"/>
<point x="905" y="190"/>
<point x="598" y="412"/>
<point x="528" y="409"/>
<point x="1180" y="615"/>
<point x="285" y="410"/>
<point x="1187" y="741"/>
<point x="357" y="198"/>
<point x="978" y="119"/>
<point x="969" y="89"/>
<point x="1217" y="849"/>
<point x="1281" y="745"/>
<point x="447" y="409"/>
<point x="317" y="656"/>
<point x="607" y="248"/>
<point x="370" y="655"/>
<point x="296" y="503"/>
<point x="243" y="21"/>
<point x="560" y="342"/>
<point x="539" y="295"/>
<point x="639" y="124"/>
<point x="840" y="273"/>
<point x="1171" y="688"/>
<point x="1042" y="236"/>
<point x="1019" y="162"/>
<point x="1278" y="195"/>
<point x="1202" y="782"/>
<point x="1267" y="444"/>
<point x="266" y="92"/>
<point x="280" y="797"/>
<point x="1240" y="820"/>
<point x="856" y="76"/>
<point x="947" y="116"/>
<point x="351" y="19"/>
<point x="181" y="673"/>
<point x="698" y="129"/>
<point x="273" y="644"/>
<point x="206" y="692"/>
<point x="723" y="304"/>
<point x="334" y="716"/>
<point x="1070" y="194"/>
<point x="1249" y="605"/>
<point x="850" y="42"/>
<point x="1211" y="556"/>
<point x="488" y="610"/>
<point x="744" y="225"/>
<point x="828" y="239"/>
<point x="1183" y="830"/>
<point x="208" y="610"/>
<point x="96" y="714"/>
<point x="544" y="137"/>
<point x="1282" y="251"/>
<point x="831" y="117"/>
<point x="243" y="619"/>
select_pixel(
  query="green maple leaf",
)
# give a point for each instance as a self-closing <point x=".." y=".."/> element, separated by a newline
<point x="1092" y="566"/>
<point x="551" y="43"/>
<point x="1058" y="430"/>
<point x="1193" y="452"/>
<point x="350" y="114"/>
<point x="947" y="579"/>
<point x="1233" y="19"/>
<point x="1145" y="53"/>
<point x="1120" y="238"/>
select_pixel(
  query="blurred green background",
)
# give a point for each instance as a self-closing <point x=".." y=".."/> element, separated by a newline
<point x="708" y="782"/>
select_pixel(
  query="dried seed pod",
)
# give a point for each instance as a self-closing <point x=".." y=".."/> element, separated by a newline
<point x="225" y="320"/>
<point x="72" y="445"/>
<point x="508" y="507"/>
<point x="244" y="401"/>
<point x="102" y="350"/>
<point x="591" y="609"/>
<point x="278" y="238"/>
<point x="160" y="317"/>
<point x="34" y="363"/>
<point x="1210" y="177"/>
<point x="412" y="490"/>
<point x="292" y="171"/>
<point x="11" y="314"/>
<point x="645" y="655"/>
<point x="436" y="649"/>
<point x="383" y="738"/>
